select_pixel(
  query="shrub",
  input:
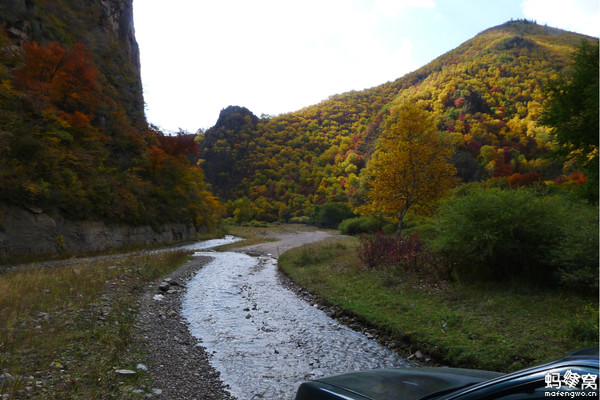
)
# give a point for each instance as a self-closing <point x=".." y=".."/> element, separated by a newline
<point x="576" y="256"/>
<point x="584" y="326"/>
<point x="390" y="229"/>
<point x="409" y="250"/>
<point x="255" y="224"/>
<point x="499" y="233"/>
<point x="358" y="225"/>
<point x="330" y="215"/>
<point x="381" y="250"/>
<point x="300" y="220"/>
<point x="378" y="250"/>
<point x="527" y="179"/>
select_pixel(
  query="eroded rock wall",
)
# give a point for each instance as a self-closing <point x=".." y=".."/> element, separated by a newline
<point x="30" y="232"/>
<point x="105" y="27"/>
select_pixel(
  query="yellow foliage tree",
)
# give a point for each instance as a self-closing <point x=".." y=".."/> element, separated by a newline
<point x="410" y="168"/>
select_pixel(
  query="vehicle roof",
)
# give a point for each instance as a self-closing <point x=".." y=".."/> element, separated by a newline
<point x="584" y="358"/>
<point x="413" y="383"/>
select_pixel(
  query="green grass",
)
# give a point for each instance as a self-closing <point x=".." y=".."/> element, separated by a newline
<point x="65" y="330"/>
<point x="485" y="326"/>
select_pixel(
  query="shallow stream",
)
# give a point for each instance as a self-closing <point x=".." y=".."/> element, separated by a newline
<point x="264" y="340"/>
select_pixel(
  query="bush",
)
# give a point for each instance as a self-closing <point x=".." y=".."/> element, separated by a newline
<point x="358" y="225"/>
<point x="576" y="257"/>
<point x="381" y="250"/>
<point x="378" y="250"/>
<point x="300" y="220"/>
<point x="528" y="179"/>
<point x="409" y="250"/>
<point x="584" y="326"/>
<point x="502" y="234"/>
<point x="255" y="224"/>
<point x="330" y="215"/>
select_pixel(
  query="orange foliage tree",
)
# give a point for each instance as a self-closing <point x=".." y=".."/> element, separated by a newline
<point x="66" y="144"/>
<point x="66" y="78"/>
<point x="410" y="168"/>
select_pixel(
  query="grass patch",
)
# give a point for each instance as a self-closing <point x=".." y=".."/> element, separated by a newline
<point x="485" y="326"/>
<point x="66" y="330"/>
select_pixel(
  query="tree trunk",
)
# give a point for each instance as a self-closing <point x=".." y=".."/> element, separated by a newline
<point x="400" y="218"/>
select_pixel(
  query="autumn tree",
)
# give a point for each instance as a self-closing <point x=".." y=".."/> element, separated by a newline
<point x="66" y="78"/>
<point x="411" y="166"/>
<point x="67" y="145"/>
<point x="572" y="112"/>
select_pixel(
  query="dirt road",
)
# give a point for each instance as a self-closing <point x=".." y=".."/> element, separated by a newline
<point x="285" y="242"/>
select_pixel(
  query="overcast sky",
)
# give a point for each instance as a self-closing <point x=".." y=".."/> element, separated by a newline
<point x="277" y="56"/>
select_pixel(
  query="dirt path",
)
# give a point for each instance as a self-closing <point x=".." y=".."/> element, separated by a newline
<point x="285" y="242"/>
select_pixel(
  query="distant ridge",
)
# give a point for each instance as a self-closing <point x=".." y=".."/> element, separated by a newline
<point x="487" y="93"/>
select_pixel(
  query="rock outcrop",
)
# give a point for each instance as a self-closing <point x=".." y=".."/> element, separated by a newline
<point x="105" y="27"/>
<point x="30" y="232"/>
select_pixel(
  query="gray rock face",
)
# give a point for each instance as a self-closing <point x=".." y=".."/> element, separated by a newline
<point x="105" y="27"/>
<point x="29" y="232"/>
<point x="118" y="19"/>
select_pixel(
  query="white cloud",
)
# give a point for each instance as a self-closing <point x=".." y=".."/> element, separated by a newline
<point x="574" y="15"/>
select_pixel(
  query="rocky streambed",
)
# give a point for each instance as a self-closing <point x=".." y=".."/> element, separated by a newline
<point x="225" y="327"/>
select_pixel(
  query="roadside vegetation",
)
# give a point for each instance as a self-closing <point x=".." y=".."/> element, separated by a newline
<point x="67" y="330"/>
<point x="500" y="274"/>
<point x="419" y="300"/>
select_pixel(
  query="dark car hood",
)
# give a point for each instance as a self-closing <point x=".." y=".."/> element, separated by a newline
<point x="405" y="383"/>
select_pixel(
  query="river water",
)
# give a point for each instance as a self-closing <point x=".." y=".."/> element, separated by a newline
<point x="264" y="340"/>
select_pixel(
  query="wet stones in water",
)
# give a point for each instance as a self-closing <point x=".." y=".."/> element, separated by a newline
<point x="263" y="339"/>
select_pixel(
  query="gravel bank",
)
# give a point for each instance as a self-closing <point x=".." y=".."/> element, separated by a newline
<point x="177" y="365"/>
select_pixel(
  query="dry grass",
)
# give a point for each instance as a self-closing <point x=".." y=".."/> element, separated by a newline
<point x="65" y="330"/>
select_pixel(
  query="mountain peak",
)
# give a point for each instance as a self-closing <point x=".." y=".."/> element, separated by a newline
<point x="524" y="26"/>
<point x="233" y="117"/>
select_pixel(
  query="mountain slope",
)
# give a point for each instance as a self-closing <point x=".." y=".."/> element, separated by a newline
<point x="486" y="92"/>
<point x="74" y="140"/>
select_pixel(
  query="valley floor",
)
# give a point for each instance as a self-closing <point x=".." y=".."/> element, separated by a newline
<point x="257" y="354"/>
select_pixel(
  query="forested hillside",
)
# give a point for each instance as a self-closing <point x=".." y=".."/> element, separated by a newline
<point x="73" y="137"/>
<point x="487" y="95"/>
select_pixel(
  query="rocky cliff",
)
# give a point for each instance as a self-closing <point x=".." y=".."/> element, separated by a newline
<point x="80" y="170"/>
<point x="104" y="26"/>
<point x="32" y="232"/>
